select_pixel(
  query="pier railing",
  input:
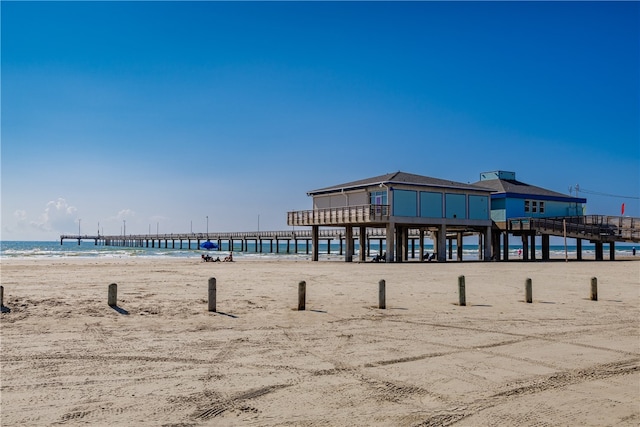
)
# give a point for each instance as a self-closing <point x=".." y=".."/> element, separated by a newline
<point x="361" y="214"/>
<point x="594" y="227"/>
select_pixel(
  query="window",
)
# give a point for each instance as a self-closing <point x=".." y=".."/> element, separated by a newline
<point x="533" y="206"/>
<point x="378" y="198"/>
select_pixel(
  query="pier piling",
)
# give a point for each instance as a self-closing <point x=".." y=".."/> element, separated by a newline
<point x="212" y="294"/>
<point x="302" y="295"/>
<point x="462" y="298"/>
<point x="112" y="298"/>
<point x="382" y="298"/>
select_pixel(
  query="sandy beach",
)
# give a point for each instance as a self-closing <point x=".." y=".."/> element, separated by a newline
<point x="160" y="358"/>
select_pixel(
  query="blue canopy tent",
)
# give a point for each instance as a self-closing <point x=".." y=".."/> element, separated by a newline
<point x="208" y="245"/>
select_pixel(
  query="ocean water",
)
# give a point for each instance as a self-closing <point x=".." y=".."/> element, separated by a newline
<point x="87" y="249"/>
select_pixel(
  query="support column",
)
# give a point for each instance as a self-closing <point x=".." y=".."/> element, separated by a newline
<point x="459" y="246"/>
<point x="421" y="244"/>
<point x="579" y="249"/>
<point x="496" y="252"/>
<point x="599" y="251"/>
<point x="442" y="243"/>
<point x="612" y="251"/>
<point x="525" y="247"/>
<point x="363" y="244"/>
<point x="545" y="247"/>
<point x="314" y="242"/>
<point x="533" y="247"/>
<point x="397" y="237"/>
<point x="450" y="241"/>
<point x="487" y="244"/>
<point x="349" y="243"/>
<point x="390" y="242"/>
<point x="506" y="245"/>
<point x="481" y="240"/>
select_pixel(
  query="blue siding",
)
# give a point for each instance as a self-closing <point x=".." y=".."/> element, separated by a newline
<point x="405" y="203"/>
<point x="478" y="207"/>
<point x="430" y="204"/>
<point x="456" y="206"/>
<point x="513" y="207"/>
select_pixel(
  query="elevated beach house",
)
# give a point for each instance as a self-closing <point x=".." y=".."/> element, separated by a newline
<point x="514" y="203"/>
<point x="400" y="202"/>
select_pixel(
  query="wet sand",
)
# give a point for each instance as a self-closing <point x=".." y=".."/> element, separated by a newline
<point x="160" y="358"/>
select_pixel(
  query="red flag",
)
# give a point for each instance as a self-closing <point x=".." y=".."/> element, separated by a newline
<point x="622" y="214"/>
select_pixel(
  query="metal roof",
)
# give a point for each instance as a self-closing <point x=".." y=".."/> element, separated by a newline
<point x="397" y="178"/>
<point x="512" y="186"/>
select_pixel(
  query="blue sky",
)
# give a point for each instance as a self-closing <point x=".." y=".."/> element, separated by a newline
<point x="163" y="113"/>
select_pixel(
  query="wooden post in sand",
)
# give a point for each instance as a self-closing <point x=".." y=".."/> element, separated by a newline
<point x="112" y="298"/>
<point x="382" y="298"/>
<point x="461" y="291"/>
<point x="594" y="289"/>
<point x="212" y="294"/>
<point x="528" y="290"/>
<point x="302" y="295"/>
<point x="1" y="296"/>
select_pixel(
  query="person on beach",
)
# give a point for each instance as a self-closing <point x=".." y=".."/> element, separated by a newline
<point x="228" y="258"/>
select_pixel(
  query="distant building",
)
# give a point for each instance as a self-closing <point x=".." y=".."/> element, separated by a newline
<point x="512" y="199"/>
<point x="400" y="202"/>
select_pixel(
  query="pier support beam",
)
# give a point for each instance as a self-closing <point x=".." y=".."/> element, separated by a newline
<point x="599" y="251"/>
<point x="505" y="244"/>
<point x="442" y="243"/>
<point x="488" y="238"/>
<point x="314" y="242"/>
<point x="390" y="243"/>
<point x="612" y="251"/>
<point x="363" y="244"/>
<point x="349" y="243"/>
<point x="545" y="247"/>
<point x="533" y="247"/>
<point x="459" y="246"/>
<point x="579" y="249"/>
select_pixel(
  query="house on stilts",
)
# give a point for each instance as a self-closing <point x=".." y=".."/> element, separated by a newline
<point x="399" y="202"/>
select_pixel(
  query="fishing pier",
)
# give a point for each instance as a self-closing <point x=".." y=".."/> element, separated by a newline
<point x="296" y="241"/>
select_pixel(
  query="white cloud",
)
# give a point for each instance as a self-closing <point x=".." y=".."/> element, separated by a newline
<point x="58" y="216"/>
<point x="123" y="214"/>
<point x="20" y="215"/>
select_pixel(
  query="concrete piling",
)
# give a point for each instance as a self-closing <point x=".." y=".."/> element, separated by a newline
<point x="382" y="298"/>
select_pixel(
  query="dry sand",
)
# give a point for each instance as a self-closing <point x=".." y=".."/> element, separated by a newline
<point x="161" y="359"/>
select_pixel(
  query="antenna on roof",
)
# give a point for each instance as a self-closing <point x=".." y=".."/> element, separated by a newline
<point x="576" y="187"/>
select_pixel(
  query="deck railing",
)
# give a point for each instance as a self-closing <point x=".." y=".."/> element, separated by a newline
<point x="361" y="214"/>
<point x="600" y="227"/>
